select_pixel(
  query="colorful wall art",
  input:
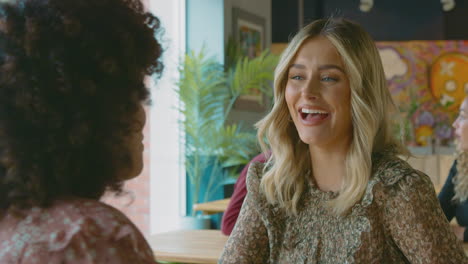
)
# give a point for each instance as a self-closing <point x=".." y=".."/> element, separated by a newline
<point x="428" y="81"/>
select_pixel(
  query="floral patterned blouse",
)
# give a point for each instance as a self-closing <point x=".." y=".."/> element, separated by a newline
<point x="399" y="220"/>
<point x="72" y="231"/>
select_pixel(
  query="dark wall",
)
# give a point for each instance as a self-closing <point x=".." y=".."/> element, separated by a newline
<point x="387" y="20"/>
<point x="456" y="21"/>
<point x="284" y="19"/>
<point x="313" y="10"/>
<point x="393" y="19"/>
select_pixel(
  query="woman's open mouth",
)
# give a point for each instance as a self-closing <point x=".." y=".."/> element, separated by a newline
<point x="312" y="116"/>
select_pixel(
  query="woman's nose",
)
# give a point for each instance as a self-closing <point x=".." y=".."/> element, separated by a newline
<point x="311" y="90"/>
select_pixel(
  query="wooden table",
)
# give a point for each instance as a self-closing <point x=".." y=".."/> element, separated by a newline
<point x="218" y="206"/>
<point x="465" y="247"/>
<point x="189" y="246"/>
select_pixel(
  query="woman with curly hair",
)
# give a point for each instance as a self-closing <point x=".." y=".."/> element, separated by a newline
<point x="71" y="117"/>
<point x="454" y="195"/>
<point x="334" y="189"/>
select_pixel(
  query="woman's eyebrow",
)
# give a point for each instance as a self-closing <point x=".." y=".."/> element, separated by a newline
<point x="321" y="67"/>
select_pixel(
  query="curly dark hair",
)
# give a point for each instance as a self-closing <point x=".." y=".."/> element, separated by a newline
<point x="71" y="81"/>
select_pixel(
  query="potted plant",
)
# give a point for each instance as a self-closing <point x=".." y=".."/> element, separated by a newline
<point x="214" y="146"/>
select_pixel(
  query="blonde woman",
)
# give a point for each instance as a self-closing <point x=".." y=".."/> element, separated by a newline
<point x="334" y="190"/>
<point x="454" y="194"/>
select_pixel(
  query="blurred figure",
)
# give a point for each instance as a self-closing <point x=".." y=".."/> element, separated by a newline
<point x="334" y="189"/>
<point x="454" y="194"/>
<point x="71" y="119"/>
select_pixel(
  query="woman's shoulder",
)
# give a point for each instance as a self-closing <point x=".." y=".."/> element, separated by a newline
<point x="254" y="175"/>
<point x="64" y="213"/>
<point x="256" y="169"/>
<point x="68" y="224"/>
<point x="88" y="215"/>
<point x="89" y="208"/>
<point x="392" y="169"/>
<point x="253" y="182"/>
<point x="397" y="174"/>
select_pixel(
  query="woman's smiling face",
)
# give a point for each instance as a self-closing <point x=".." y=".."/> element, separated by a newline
<point x="318" y="94"/>
<point x="461" y="126"/>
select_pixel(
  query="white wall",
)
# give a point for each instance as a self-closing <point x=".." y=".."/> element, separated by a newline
<point x="205" y="27"/>
<point x="166" y="173"/>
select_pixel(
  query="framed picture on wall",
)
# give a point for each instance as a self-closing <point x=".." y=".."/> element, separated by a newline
<point x="249" y="34"/>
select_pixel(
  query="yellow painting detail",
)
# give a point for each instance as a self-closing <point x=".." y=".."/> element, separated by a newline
<point x="449" y="80"/>
<point x="423" y="135"/>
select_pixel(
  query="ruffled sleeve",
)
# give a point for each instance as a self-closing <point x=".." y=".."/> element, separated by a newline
<point x="248" y="242"/>
<point x="415" y="221"/>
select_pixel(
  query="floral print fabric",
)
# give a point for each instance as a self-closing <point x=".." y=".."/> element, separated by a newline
<point x="399" y="220"/>
<point x="73" y="231"/>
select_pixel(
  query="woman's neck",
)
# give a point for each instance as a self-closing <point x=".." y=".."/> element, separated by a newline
<point x="328" y="167"/>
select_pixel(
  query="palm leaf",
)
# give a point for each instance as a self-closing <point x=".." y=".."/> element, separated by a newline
<point x="207" y="93"/>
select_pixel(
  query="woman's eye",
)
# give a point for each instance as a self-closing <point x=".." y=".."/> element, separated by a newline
<point x="297" y="77"/>
<point x="328" y="79"/>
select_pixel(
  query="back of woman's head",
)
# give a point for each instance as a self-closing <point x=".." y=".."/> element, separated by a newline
<point x="371" y="106"/>
<point x="71" y="82"/>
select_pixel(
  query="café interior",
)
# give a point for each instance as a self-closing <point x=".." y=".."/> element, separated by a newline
<point x="424" y="50"/>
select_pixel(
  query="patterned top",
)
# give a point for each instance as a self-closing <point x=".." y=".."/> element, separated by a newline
<point x="72" y="231"/>
<point x="399" y="220"/>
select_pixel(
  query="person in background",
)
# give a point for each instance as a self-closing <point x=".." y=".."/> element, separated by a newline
<point x="334" y="189"/>
<point x="237" y="198"/>
<point x="71" y="117"/>
<point x="454" y="194"/>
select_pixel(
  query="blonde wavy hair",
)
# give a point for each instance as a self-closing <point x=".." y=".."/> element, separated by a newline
<point x="285" y="175"/>
<point x="460" y="181"/>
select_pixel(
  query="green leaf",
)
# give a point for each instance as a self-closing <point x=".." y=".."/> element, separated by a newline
<point x="207" y="92"/>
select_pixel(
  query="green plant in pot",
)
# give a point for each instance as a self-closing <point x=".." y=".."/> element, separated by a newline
<point x="215" y="147"/>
